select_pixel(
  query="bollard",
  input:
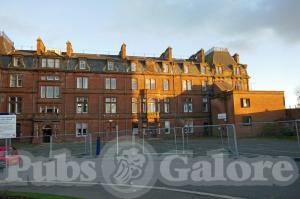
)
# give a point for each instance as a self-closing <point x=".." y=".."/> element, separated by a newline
<point x="98" y="145"/>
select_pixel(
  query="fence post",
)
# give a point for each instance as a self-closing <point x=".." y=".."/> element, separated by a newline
<point x="175" y="139"/>
<point x="297" y="131"/>
<point x="144" y="130"/>
<point x="117" y="131"/>
<point x="235" y="141"/>
<point x="91" y="144"/>
<point x="6" y="150"/>
<point x="50" y="147"/>
<point x="182" y="132"/>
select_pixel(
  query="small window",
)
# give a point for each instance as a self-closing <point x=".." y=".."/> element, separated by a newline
<point x="82" y="64"/>
<point x="17" y="61"/>
<point x="15" y="104"/>
<point x="44" y="63"/>
<point x="186" y="85"/>
<point x="150" y="84"/>
<point x="81" y="104"/>
<point x="110" y="65"/>
<point x="203" y="70"/>
<point x="236" y="71"/>
<point x="166" y="84"/>
<point x="245" y="102"/>
<point x="205" y="104"/>
<point x="188" y="105"/>
<point x="165" y="67"/>
<point x="81" y="129"/>
<point x="204" y="86"/>
<point x="49" y="109"/>
<point x="219" y="70"/>
<point x="15" y="80"/>
<point x="133" y="66"/>
<point x="51" y="63"/>
<point x="167" y="105"/>
<point x="247" y="120"/>
<point x="134" y="84"/>
<point x="57" y="63"/>
<point x="50" y="92"/>
<point x="167" y="127"/>
<point x="238" y="86"/>
<point x="151" y="105"/>
<point x="185" y="69"/>
<point x="82" y="82"/>
<point x="110" y="105"/>
<point x="134" y="105"/>
<point x="110" y="83"/>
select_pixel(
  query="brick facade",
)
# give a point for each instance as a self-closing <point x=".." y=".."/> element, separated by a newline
<point x="45" y="72"/>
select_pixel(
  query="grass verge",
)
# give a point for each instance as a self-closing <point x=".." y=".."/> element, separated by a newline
<point x="30" y="195"/>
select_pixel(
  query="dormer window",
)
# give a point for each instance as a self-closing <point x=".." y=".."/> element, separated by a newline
<point x="17" y="61"/>
<point x="236" y="71"/>
<point x="219" y="70"/>
<point x="50" y="63"/>
<point x="110" y="65"/>
<point x="203" y="70"/>
<point x="185" y="68"/>
<point x="82" y="64"/>
<point x="133" y="67"/>
<point x="165" y="67"/>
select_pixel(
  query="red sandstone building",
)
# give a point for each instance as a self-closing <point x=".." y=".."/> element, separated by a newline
<point x="60" y="93"/>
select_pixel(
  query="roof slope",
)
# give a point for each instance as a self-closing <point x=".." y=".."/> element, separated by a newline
<point x="220" y="56"/>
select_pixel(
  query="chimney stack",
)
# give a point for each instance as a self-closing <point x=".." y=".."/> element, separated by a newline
<point x="167" y="54"/>
<point x="123" y="51"/>
<point x="236" y="58"/>
<point x="40" y="47"/>
<point x="69" y="49"/>
<point x="201" y="56"/>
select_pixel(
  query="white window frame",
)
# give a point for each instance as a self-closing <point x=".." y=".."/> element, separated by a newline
<point x="134" y="105"/>
<point x="185" y="69"/>
<point x="110" y="83"/>
<point x="167" y="126"/>
<point x="17" y="61"/>
<point x="188" y="105"/>
<point x="110" y="105"/>
<point x="110" y="65"/>
<point x="16" y="81"/>
<point x="82" y="82"/>
<point x="205" y="104"/>
<point x="151" y="105"/>
<point x="165" y="67"/>
<point x="150" y="84"/>
<point x="82" y="104"/>
<point x="17" y="103"/>
<point x="166" y="85"/>
<point x="134" y="84"/>
<point x="81" y="129"/>
<point x="186" y="85"/>
<point x="82" y="64"/>
<point x="133" y="67"/>
<point x="45" y="92"/>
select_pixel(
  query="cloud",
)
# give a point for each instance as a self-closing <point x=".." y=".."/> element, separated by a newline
<point x="231" y="18"/>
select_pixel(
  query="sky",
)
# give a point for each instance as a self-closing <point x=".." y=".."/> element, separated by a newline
<point x="266" y="33"/>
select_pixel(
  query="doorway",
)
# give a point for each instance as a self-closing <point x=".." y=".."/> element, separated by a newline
<point x="47" y="132"/>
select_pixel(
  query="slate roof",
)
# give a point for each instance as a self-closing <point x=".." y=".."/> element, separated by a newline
<point x="220" y="56"/>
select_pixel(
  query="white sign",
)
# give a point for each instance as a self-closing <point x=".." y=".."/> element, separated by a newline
<point x="7" y="126"/>
<point x="222" y="116"/>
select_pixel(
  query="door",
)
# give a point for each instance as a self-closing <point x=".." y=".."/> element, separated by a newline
<point x="47" y="132"/>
